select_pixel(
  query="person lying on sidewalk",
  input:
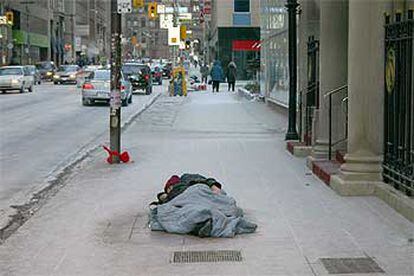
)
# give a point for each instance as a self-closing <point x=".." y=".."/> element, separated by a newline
<point x="177" y="185"/>
<point x="195" y="205"/>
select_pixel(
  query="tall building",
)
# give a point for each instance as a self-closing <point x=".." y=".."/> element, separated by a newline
<point x="234" y="33"/>
<point x="92" y="30"/>
<point x="28" y="38"/>
<point x="56" y="30"/>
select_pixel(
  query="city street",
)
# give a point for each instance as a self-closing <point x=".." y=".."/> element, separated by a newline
<point x="42" y="132"/>
<point x="97" y="224"/>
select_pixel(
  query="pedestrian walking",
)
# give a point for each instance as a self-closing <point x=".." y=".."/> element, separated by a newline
<point x="217" y="75"/>
<point x="231" y="75"/>
<point x="204" y="70"/>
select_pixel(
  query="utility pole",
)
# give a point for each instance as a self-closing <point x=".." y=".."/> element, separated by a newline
<point x="115" y="102"/>
<point x="292" y="9"/>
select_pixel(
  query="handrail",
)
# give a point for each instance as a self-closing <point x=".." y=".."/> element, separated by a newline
<point x="336" y="90"/>
<point x="329" y="94"/>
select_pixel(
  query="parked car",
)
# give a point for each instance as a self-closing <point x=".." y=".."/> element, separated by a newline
<point x="15" y="78"/>
<point x="98" y="88"/>
<point x="139" y="75"/>
<point x="35" y="73"/>
<point x="66" y="74"/>
<point x="156" y="73"/>
<point x="46" y="69"/>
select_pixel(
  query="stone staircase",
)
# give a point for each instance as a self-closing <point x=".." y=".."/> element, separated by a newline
<point x="326" y="168"/>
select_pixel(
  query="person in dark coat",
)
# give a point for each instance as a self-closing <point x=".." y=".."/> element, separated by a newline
<point x="217" y="75"/>
<point x="204" y="71"/>
<point x="231" y="75"/>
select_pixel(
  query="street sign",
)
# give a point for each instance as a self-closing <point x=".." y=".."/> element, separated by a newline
<point x="166" y="20"/>
<point x="160" y="9"/>
<point x="124" y="6"/>
<point x="174" y="36"/>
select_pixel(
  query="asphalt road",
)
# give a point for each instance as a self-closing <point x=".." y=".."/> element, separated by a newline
<point x="41" y="131"/>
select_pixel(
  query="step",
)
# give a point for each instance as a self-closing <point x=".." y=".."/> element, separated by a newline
<point x="298" y="149"/>
<point x="325" y="169"/>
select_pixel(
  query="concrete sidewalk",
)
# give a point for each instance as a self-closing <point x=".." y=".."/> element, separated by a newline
<point x="96" y="225"/>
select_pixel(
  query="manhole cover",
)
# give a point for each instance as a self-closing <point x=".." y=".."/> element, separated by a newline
<point x="351" y="265"/>
<point x="207" y="256"/>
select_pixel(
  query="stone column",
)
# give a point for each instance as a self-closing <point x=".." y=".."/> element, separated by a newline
<point x="365" y="91"/>
<point x="333" y="67"/>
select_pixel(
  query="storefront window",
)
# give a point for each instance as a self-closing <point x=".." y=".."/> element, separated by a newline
<point x="241" y="5"/>
<point x="274" y="51"/>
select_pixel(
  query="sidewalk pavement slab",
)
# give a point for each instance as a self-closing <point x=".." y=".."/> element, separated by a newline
<point x="96" y="225"/>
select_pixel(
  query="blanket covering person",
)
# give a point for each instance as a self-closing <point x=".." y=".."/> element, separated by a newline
<point x="198" y="208"/>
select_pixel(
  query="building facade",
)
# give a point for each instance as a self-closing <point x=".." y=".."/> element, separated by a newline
<point x="55" y="30"/>
<point x="355" y="94"/>
<point x="234" y="34"/>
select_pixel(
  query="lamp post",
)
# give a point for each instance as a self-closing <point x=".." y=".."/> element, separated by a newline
<point x="292" y="9"/>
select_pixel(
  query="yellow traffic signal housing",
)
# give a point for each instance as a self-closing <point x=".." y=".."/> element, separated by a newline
<point x="138" y="4"/>
<point x="183" y="32"/>
<point x="152" y="10"/>
<point x="10" y="17"/>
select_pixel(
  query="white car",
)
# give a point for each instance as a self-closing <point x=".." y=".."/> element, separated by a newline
<point x="16" y="78"/>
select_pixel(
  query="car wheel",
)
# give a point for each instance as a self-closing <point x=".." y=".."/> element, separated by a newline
<point x="39" y="82"/>
<point x="86" y="102"/>
<point x="55" y="82"/>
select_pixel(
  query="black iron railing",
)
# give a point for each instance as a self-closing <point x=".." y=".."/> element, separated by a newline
<point x="341" y="119"/>
<point x="311" y="97"/>
<point x="398" y="164"/>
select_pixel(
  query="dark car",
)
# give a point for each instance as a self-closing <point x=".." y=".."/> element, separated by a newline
<point x="139" y="75"/>
<point x="46" y="70"/>
<point x="66" y="74"/>
<point x="156" y="73"/>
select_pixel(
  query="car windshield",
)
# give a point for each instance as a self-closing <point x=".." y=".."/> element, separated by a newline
<point x="102" y="75"/>
<point x="67" y="68"/>
<point x="133" y="69"/>
<point x="10" y="71"/>
<point x="44" y="65"/>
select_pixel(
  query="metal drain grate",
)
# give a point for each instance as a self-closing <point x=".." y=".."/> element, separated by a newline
<point x="351" y="265"/>
<point x="207" y="256"/>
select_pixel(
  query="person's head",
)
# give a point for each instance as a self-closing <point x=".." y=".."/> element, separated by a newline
<point x="175" y="179"/>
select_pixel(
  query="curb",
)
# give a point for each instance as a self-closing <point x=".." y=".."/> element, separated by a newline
<point x="17" y="215"/>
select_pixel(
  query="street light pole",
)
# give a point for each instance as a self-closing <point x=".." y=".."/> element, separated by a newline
<point x="115" y="102"/>
<point x="291" y="7"/>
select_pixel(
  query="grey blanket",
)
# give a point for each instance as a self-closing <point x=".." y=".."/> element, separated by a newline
<point x="200" y="212"/>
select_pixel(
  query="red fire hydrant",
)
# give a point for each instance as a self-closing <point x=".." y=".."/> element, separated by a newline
<point x="124" y="156"/>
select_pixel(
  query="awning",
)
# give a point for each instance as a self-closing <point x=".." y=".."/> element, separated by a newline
<point x="246" y="45"/>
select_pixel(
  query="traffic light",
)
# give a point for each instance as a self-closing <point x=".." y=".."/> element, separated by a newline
<point x="138" y="4"/>
<point x="152" y="10"/>
<point x="10" y="17"/>
<point x="183" y="32"/>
